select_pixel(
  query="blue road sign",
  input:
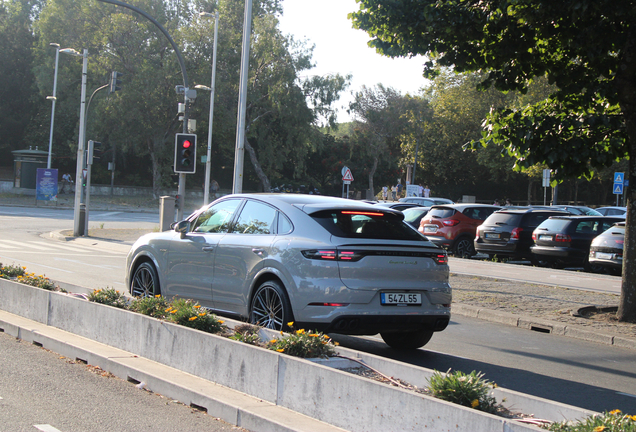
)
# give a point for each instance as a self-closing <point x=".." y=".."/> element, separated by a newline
<point x="618" y="188"/>
<point x="618" y="177"/>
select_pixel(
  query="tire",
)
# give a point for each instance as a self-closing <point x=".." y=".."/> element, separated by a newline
<point x="407" y="340"/>
<point x="145" y="282"/>
<point x="593" y="268"/>
<point x="270" y="307"/>
<point x="463" y="248"/>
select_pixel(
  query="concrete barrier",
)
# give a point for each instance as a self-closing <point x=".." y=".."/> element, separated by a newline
<point x="315" y="390"/>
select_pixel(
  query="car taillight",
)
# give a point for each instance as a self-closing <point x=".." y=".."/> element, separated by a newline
<point x="441" y="258"/>
<point x="562" y="238"/>
<point x="477" y="232"/>
<point x="534" y="237"/>
<point x="450" y="222"/>
<point x="619" y="242"/>
<point x="515" y="233"/>
<point x="332" y="254"/>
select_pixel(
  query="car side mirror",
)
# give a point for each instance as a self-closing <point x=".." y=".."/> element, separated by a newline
<point x="182" y="227"/>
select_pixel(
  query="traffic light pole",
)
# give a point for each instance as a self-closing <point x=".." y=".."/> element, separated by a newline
<point x="78" y="228"/>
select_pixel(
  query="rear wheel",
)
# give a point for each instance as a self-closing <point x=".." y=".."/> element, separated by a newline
<point x="464" y="248"/>
<point x="270" y="306"/>
<point x="407" y="340"/>
<point x="145" y="282"/>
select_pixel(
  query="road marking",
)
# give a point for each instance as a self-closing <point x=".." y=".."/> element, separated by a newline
<point x="46" y="428"/>
<point x="106" y="214"/>
<point x="22" y="244"/>
<point x="626" y="394"/>
<point x="36" y="264"/>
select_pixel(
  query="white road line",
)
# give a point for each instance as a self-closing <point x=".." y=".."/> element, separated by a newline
<point x="626" y="394"/>
<point x="64" y="246"/>
<point x="23" y="244"/>
<point x="46" y="428"/>
<point x="5" y="246"/>
<point x="36" y="264"/>
<point x="99" y="215"/>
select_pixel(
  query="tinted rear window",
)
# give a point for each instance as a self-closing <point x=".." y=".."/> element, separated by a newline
<point x="498" y="218"/>
<point x="368" y="226"/>
<point x="555" y="224"/>
<point x="441" y="212"/>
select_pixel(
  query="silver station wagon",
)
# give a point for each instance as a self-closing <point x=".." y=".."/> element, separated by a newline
<point x="324" y="263"/>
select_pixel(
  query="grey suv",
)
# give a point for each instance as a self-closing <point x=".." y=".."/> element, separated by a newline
<point x="508" y="233"/>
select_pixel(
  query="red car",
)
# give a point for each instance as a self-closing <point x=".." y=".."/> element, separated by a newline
<point x="453" y="226"/>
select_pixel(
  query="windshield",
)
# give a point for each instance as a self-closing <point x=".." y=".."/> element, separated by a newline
<point x="368" y="225"/>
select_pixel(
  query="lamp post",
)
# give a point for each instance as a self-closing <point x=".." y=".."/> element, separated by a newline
<point x="237" y="186"/>
<point x="208" y="161"/>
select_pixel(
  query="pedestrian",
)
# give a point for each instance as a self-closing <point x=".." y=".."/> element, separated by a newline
<point x="427" y="192"/>
<point x="496" y="202"/>
<point x="67" y="181"/>
<point x="420" y="190"/>
<point x="393" y="192"/>
<point x="399" y="189"/>
<point x="508" y="203"/>
<point x="214" y="187"/>
<point x="385" y="192"/>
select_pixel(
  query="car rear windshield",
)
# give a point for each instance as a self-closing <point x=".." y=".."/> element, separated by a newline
<point x="499" y="218"/>
<point x="366" y="224"/>
<point x="441" y="212"/>
<point x="555" y="224"/>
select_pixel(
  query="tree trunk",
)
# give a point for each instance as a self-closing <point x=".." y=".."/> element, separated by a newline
<point x="257" y="166"/>
<point x="529" y="191"/>
<point x="371" y="174"/>
<point x="626" y="83"/>
<point x="156" y="175"/>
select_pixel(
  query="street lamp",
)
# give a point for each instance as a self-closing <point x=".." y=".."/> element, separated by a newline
<point x="54" y="98"/>
<point x="237" y="186"/>
<point x="208" y="161"/>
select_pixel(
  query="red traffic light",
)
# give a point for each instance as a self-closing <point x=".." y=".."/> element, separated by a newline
<point x="186" y="144"/>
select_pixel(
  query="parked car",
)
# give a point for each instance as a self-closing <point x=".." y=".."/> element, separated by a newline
<point x="565" y="240"/>
<point x="426" y="202"/>
<point x="453" y="226"/>
<point x="414" y="215"/>
<point x="325" y="263"/>
<point x="606" y="250"/>
<point x="612" y="211"/>
<point x="578" y="210"/>
<point x="397" y="205"/>
<point x="507" y="233"/>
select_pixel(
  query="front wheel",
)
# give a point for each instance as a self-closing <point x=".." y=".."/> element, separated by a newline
<point x="270" y="306"/>
<point x="407" y="340"/>
<point x="464" y="248"/>
<point x="145" y="282"/>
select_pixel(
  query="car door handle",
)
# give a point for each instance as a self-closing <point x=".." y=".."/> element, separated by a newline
<point x="207" y="248"/>
<point x="258" y="251"/>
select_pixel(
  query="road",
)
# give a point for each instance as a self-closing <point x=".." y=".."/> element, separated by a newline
<point x="585" y="374"/>
<point x="39" y="390"/>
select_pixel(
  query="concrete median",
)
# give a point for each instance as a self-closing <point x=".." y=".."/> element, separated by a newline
<point x="318" y="391"/>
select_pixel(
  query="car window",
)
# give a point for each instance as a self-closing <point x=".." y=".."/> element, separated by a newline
<point x="535" y="219"/>
<point x="440" y="212"/>
<point x="553" y="224"/>
<point x="605" y="225"/>
<point x="587" y="227"/>
<point x="217" y="218"/>
<point x="255" y="218"/>
<point x="284" y="224"/>
<point x="353" y="224"/>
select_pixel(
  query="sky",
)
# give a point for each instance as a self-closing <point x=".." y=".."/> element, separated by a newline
<point x="341" y="49"/>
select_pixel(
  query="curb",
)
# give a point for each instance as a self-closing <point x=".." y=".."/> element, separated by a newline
<point x="544" y="326"/>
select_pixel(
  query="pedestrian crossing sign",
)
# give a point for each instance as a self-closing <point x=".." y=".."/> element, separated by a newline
<point x="618" y="188"/>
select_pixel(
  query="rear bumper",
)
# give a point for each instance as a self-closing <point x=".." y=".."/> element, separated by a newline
<point x="565" y="254"/>
<point x="440" y="241"/>
<point x="509" y="249"/>
<point x="374" y="324"/>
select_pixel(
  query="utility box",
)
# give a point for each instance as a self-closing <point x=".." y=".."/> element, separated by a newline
<point x="468" y="199"/>
<point x="166" y="212"/>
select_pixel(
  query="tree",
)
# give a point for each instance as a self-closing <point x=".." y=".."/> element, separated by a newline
<point x="585" y="48"/>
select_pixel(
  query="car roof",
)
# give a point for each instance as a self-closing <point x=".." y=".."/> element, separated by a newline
<point x="463" y="206"/>
<point x="532" y="210"/>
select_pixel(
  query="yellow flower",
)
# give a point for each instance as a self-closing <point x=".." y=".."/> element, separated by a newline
<point x="158" y="296"/>
<point x="494" y="385"/>
<point x="201" y="314"/>
<point x="192" y="318"/>
<point x="314" y="335"/>
<point x="616" y="411"/>
<point x="301" y="331"/>
<point x="273" y="341"/>
<point x="336" y="343"/>
<point x="221" y="322"/>
<point x="281" y="333"/>
<point x="474" y="403"/>
<point x="173" y="312"/>
<point x="280" y="350"/>
<point x="633" y="418"/>
<point x="197" y="306"/>
<point x="23" y="268"/>
<point x="599" y="428"/>
<point x="290" y="324"/>
<point x="169" y="309"/>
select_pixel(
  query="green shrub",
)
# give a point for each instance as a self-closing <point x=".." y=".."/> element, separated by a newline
<point x="304" y="344"/>
<point x="153" y="306"/>
<point x="468" y="390"/>
<point x="108" y="296"/>
<point x="613" y="421"/>
<point x="11" y="271"/>
<point x="246" y="333"/>
<point x="191" y="314"/>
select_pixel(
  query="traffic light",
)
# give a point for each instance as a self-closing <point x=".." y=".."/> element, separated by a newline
<point x="185" y="153"/>
<point x="114" y="81"/>
<point x="94" y="151"/>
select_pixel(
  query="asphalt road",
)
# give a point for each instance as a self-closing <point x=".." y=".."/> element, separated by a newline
<point x="39" y="390"/>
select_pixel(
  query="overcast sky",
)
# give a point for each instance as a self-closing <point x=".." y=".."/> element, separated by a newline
<point x="342" y="49"/>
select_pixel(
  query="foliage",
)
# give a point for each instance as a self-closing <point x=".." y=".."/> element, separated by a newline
<point x="613" y="421"/>
<point x="190" y="314"/>
<point x="469" y="390"/>
<point x="108" y="296"/>
<point x="19" y="274"/>
<point x="246" y="333"/>
<point x="12" y="271"/>
<point x="301" y="343"/>
<point x="152" y="306"/>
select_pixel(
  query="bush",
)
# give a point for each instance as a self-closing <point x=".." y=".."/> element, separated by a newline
<point x="304" y="344"/>
<point x="613" y="421"/>
<point x="247" y="333"/>
<point x="467" y="390"/>
<point x="191" y="314"/>
<point x="108" y="296"/>
<point x="11" y="271"/>
<point x="152" y="306"/>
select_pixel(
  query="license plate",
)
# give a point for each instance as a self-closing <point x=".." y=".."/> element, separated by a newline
<point x="492" y="235"/>
<point x="545" y="237"/>
<point x="400" y="299"/>
<point x="604" y="255"/>
<point x="430" y="229"/>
